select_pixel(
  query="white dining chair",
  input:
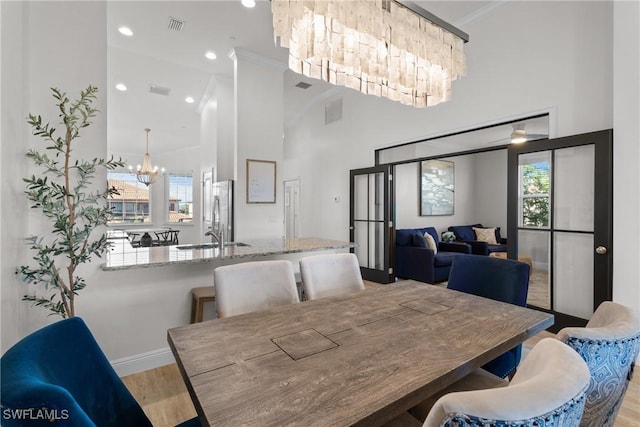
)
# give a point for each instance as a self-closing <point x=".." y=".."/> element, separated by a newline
<point x="609" y="344"/>
<point x="548" y="389"/>
<point x="330" y="274"/>
<point x="252" y="286"/>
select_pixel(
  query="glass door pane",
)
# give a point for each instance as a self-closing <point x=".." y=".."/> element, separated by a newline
<point x="573" y="188"/>
<point x="535" y="246"/>
<point x="573" y="220"/>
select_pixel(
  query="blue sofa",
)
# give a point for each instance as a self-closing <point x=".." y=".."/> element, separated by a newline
<point x="414" y="260"/>
<point x="465" y="233"/>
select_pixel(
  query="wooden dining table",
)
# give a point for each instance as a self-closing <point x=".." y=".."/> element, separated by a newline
<point x="356" y="359"/>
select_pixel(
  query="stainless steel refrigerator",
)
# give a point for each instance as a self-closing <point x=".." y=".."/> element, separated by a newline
<point x="222" y="209"/>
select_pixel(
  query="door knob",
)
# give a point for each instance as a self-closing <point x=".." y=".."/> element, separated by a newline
<point x="601" y="250"/>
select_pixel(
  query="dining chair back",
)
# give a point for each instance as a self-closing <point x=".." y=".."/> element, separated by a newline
<point x="252" y="286"/>
<point x="548" y="390"/>
<point x="498" y="279"/>
<point x="58" y="375"/>
<point x="330" y="274"/>
<point x="609" y="344"/>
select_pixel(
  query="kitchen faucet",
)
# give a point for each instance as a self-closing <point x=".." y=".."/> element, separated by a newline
<point x="217" y="237"/>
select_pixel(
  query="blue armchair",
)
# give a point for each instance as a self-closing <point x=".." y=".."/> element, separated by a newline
<point x="466" y="234"/>
<point x="609" y="344"/>
<point x="58" y="376"/>
<point x="414" y="260"/>
<point x="501" y="280"/>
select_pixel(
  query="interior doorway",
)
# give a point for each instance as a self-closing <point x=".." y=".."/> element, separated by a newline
<point x="292" y="208"/>
<point x="560" y="210"/>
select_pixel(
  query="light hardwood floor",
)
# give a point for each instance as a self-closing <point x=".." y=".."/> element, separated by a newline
<point x="164" y="397"/>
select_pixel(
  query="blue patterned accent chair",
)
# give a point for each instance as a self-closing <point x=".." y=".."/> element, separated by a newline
<point x="609" y="344"/>
<point x="59" y="376"/>
<point x="503" y="280"/>
<point x="414" y="260"/>
<point x="548" y="390"/>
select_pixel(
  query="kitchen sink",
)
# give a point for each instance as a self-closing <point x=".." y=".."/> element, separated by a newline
<point x="210" y="245"/>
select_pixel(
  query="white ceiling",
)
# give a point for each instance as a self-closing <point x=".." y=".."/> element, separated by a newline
<point x="159" y="56"/>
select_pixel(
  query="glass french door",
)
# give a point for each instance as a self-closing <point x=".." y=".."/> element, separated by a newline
<point x="370" y="221"/>
<point x="560" y="220"/>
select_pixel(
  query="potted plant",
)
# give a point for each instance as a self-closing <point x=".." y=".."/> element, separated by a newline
<point x="64" y="196"/>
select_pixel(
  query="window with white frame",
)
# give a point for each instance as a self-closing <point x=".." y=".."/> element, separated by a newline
<point x="129" y="201"/>
<point x="534" y="191"/>
<point x="179" y="197"/>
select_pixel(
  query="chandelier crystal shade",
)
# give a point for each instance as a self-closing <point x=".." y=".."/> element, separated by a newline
<point x="378" y="47"/>
<point x="147" y="174"/>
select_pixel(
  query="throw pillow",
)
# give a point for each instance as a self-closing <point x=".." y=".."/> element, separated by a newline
<point x="486" y="235"/>
<point x="431" y="242"/>
<point x="418" y="240"/>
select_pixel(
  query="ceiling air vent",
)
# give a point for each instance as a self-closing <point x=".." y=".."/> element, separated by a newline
<point x="175" y="24"/>
<point x="303" y="85"/>
<point x="159" y="90"/>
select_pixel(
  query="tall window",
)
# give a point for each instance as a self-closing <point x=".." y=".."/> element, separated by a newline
<point x="180" y="197"/>
<point x="129" y="201"/>
<point x="534" y="190"/>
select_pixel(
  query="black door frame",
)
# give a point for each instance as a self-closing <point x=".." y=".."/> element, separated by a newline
<point x="386" y="275"/>
<point x="603" y="212"/>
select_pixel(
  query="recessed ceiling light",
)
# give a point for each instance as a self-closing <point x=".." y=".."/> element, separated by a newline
<point x="125" y="31"/>
<point x="210" y="55"/>
<point x="189" y="100"/>
<point x="121" y="87"/>
<point x="248" y="3"/>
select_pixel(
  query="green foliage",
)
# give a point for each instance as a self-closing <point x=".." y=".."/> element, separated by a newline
<point x="535" y="183"/>
<point x="62" y="193"/>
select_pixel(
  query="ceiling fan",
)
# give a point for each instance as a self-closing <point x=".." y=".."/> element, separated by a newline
<point x="519" y="135"/>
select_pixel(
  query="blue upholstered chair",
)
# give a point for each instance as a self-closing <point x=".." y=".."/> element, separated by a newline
<point x="58" y="376"/>
<point x="548" y="390"/>
<point x="498" y="279"/>
<point x="609" y="344"/>
<point x="414" y="260"/>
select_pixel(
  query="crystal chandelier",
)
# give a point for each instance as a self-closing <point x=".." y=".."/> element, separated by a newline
<point x="379" y="47"/>
<point x="146" y="173"/>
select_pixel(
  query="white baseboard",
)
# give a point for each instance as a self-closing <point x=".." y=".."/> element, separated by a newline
<point x="143" y="361"/>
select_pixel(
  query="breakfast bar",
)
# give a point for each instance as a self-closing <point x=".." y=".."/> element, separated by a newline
<point x="123" y="256"/>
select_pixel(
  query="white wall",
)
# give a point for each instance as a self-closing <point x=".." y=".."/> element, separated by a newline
<point x="13" y="166"/>
<point x="626" y="153"/>
<point x="258" y="90"/>
<point x="490" y="190"/>
<point x="480" y="193"/>
<point x="226" y="158"/>
<point x="38" y="58"/>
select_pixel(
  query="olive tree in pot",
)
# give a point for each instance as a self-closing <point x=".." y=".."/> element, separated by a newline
<point x="62" y="192"/>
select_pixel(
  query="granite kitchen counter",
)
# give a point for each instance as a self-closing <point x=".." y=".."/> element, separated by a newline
<point x="123" y="256"/>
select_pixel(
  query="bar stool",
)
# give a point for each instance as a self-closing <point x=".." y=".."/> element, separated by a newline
<point x="198" y="297"/>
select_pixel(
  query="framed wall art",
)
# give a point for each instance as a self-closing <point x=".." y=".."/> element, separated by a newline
<point x="436" y="187"/>
<point x="261" y="181"/>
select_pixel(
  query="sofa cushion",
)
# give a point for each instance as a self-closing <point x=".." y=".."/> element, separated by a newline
<point x="444" y="259"/>
<point x="465" y="232"/>
<point x="404" y="237"/>
<point x="419" y="241"/>
<point x="486" y="235"/>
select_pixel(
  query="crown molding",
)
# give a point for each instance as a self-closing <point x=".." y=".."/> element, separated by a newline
<point x="254" y="58"/>
<point x="479" y="13"/>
